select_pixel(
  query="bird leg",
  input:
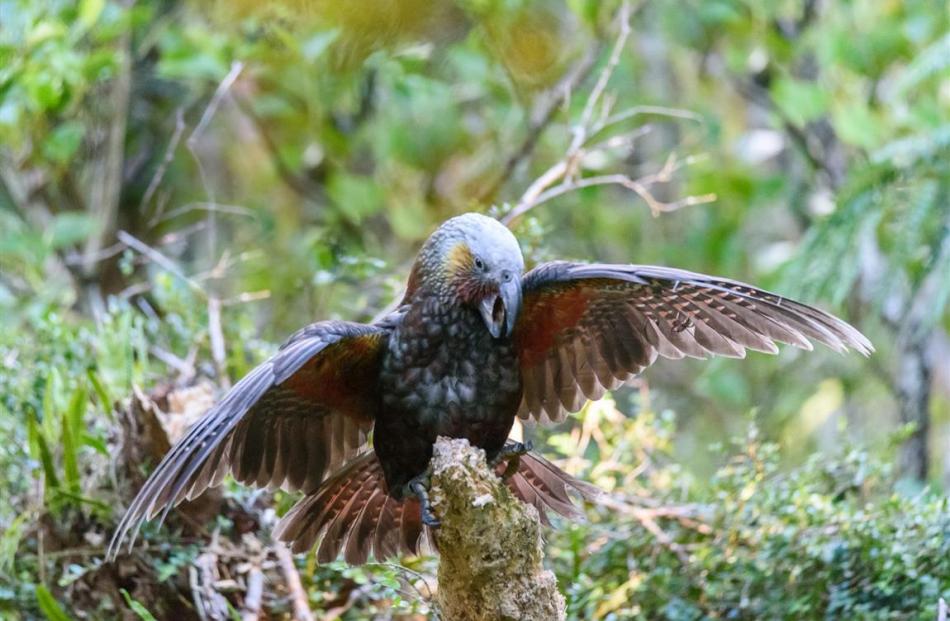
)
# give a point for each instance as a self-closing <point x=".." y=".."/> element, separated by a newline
<point x="419" y="487"/>
<point x="511" y="452"/>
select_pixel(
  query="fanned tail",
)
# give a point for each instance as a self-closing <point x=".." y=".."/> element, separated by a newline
<point x="352" y="513"/>
<point x="546" y="487"/>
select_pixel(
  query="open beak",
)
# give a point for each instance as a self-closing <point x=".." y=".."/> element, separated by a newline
<point x="500" y="311"/>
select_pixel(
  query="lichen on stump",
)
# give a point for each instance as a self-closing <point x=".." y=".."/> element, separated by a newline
<point x="489" y="542"/>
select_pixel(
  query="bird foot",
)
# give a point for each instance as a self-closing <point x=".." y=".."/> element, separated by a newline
<point x="419" y="487"/>
<point x="511" y="452"/>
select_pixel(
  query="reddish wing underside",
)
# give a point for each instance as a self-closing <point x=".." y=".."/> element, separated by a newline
<point x="585" y="329"/>
<point x="289" y="422"/>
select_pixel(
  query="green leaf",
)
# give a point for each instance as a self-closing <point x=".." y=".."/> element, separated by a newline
<point x="40" y="450"/>
<point x="89" y="12"/>
<point x="69" y="228"/>
<point x="49" y="606"/>
<point x="933" y="61"/>
<point x="70" y="462"/>
<point x="314" y="47"/>
<point x="10" y="539"/>
<point x="105" y="401"/>
<point x="76" y="410"/>
<point x="96" y="443"/>
<point x="355" y="196"/>
<point x="856" y="125"/>
<point x="904" y="152"/>
<point x="50" y="405"/>
<point x="72" y="423"/>
<point x="800" y="101"/>
<point x="137" y="607"/>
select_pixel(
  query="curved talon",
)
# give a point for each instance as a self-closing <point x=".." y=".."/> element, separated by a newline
<point x="511" y="449"/>
<point x="512" y="452"/>
<point x="419" y="487"/>
<point x="429" y="519"/>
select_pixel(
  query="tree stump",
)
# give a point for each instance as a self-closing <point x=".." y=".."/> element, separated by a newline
<point x="489" y="542"/>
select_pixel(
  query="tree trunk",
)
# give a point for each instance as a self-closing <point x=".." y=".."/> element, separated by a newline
<point x="913" y="381"/>
<point x="489" y="542"/>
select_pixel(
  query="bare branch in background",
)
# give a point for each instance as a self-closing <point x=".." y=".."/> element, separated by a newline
<point x="639" y="186"/>
<point x="253" y="595"/>
<point x="544" y="113"/>
<point x="215" y="332"/>
<point x="298" y="594"/>
<point x="192" y="143"/>
<point x="161" y="260"/>
<point x="185" y="367"/>
<point x="597" y="92"/>
<point x="689" y="516"/>
<point x="162" y="168"/>
<point x="107" y="191"/>
<point x="236" y="68"/>
<point x="236" y="210"/>
<point x="564" y="176"/>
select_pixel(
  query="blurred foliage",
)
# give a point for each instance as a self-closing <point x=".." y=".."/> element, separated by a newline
<point x="287" y="158"/>
<point x="827" y="539"/>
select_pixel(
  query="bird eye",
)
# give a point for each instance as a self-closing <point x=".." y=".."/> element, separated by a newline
<point x="479" y="263"/>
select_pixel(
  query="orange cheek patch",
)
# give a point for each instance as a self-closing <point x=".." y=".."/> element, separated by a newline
<point x="459" y="258"/>
<point x="544" y="318"/>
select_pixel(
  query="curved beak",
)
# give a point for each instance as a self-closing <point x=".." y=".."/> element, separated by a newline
<point x="500" y="311"/>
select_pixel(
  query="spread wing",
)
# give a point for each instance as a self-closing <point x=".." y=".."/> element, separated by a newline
<point x="289" y="422"/>
<point x="585" y="329"/>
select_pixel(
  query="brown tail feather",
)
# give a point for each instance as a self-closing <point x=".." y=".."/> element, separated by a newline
<point x="356" y="516"/>
<point x="546" y="487"/>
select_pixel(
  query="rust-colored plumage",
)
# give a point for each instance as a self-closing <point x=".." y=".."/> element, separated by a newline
<point x="474" y="343"/>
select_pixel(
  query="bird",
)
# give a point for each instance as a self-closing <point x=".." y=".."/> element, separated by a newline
<point x="348" y="413"/>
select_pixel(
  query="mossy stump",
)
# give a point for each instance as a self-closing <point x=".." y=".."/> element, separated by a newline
<point x="490" y="544"/>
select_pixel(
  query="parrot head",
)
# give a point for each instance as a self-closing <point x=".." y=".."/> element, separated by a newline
<point x="476" y="261"/>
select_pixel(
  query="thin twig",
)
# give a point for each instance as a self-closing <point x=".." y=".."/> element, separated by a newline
<point x="635" y="111"/>
<point x="108" y="189"/>
<point x="160" y="259"/>
<point x="195" y="585"/>
<point x="216" y="335"/>
<point x="184" y="366"/>
<point x="253" y="595"/>
<point x="163" y="167"/>
<point x="544" y="114"/>
<point x="580" y="131"/>
<point x="563" y="176"/>
<point x="74" y="258"/>
<point x="690" y="515"/>
<point x="216" y="99"/>
<point x="292" y="577"/>
<point x="215" y="332"/>
<point x="639" y="186"/>
<point x="247" y="296"/>
<point x="546" y="186"/>
<point x="237" y="210"/>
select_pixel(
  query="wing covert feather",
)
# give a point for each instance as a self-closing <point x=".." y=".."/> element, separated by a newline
<point x="585" y="328"/>
<point x="288" y="422"/>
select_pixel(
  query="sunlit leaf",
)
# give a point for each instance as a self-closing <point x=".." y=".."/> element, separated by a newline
<point x="49" y="606"/>
<point x="799" y="100"/>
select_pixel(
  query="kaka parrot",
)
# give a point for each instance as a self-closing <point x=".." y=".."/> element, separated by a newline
<point x="474" y="343"/>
